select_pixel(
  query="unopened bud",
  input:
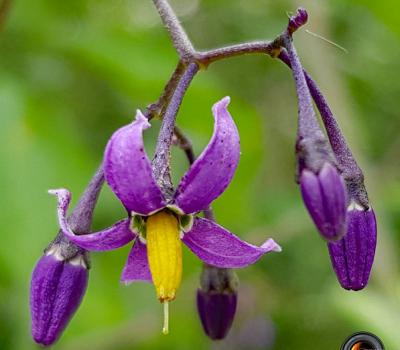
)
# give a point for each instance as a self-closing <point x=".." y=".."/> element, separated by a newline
<point x="217" y="300"/>
<point x="57" y="288"/>
<point x="352" y="257"/>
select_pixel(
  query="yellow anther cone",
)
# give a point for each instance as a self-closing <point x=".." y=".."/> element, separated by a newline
<point x="164" y="251"/>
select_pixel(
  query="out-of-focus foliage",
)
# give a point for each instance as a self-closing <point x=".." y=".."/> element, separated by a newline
<point x="71" y="72"/>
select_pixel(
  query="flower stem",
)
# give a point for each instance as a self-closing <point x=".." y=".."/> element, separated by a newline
<point x="178" y="35"/>
<point x="162" y="155"/>
<point x="81" y="217"/>
<point x="348" y="165"/>
<point x="308" y="126"/>
<point x="338" y="142"/>
<point x="205" y="58"/>
<point x="157" y="109"/>
<point x="184" y="143"/>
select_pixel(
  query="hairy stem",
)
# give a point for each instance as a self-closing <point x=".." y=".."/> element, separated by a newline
<point x="336" y="138"/>
<point x="308" y="125"/>
<point x="184" y="143"/>
<point x="178" y="35"/>
<point x="81" y="217"/>
<point x="352" y="173"/>
<point x="157" y="109"/>
<point x="207" y="57"/>
<point x="162" y="155"/>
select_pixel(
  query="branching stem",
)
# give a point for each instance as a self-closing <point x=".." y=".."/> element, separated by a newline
<point x="178" y="35"/>
<point x="167" y="106"/>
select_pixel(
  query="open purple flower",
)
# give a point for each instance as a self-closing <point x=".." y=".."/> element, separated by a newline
<point x="157" y="225"/>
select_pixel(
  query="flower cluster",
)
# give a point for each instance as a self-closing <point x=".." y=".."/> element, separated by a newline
<point x="159" y="217"/>
<point x="331" y="182"/>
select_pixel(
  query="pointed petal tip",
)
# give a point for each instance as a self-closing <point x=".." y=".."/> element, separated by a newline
<point x="197" y="189"/>
<point x="59" y="192"/>
<point x="271" y="245"/>
<point x="141" y="120"/>
<point x="221" y="104"/>
<point x="218" y="247"/>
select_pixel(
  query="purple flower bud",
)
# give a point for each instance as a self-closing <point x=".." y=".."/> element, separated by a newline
<point x="217" y="300"/>
<point x="57" y="289"/>
<point x="298" y="20"/>
<point x="325" y="196"/>
<point x="216" y="311"/>
<point x="353" y="255"/>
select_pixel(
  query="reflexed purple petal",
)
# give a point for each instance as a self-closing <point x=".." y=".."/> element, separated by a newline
<point x="110" y="238"/>
<point x="127" y="169"/>
<point x="137" y="266"/>
<point x="218" y="247"/>
<point x="325" y="197"/>
<point x="217" y="311"/>
<point x="353" y="255"/>
<point x="63" y="200"/>
<point x="57" y="289"/>
<point x="213" y="170"/>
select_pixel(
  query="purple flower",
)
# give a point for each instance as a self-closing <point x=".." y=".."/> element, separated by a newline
<point x="157" y="225"/>
<point x="57" y="289"/>
<point x="353" y="255"/>
<point x="322" y="186"/>
<point x="217" y="300"/>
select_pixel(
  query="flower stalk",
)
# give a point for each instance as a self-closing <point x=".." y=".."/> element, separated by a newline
<point x="160" y="164"/>
<point x="178" y="35"/>
<point x="322" y="186"/>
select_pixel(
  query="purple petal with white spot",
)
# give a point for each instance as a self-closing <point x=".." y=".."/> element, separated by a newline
<point x="137" y="266"/>
<point x="213" y="170"/>
<point x="352" y="257"/>
<point x="128" y="172"/>
<point x="111" y="238"/>
<point x="218" y="247"/>
<point x="325" y="197"/>
<point x="57" y="289"/>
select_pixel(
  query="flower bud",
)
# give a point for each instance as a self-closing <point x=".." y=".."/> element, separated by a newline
<point x="325" y="196"/>
<point x="217" y="300"/>
<point x="57" y="289"/>
<point x="297" y="20"/>
<point x="353" y="255"/>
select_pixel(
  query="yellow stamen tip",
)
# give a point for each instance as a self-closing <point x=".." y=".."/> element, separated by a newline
<point x="165" y="329"/>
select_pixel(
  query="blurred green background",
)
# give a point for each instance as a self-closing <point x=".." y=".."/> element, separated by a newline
<point x="71" y="72"/>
